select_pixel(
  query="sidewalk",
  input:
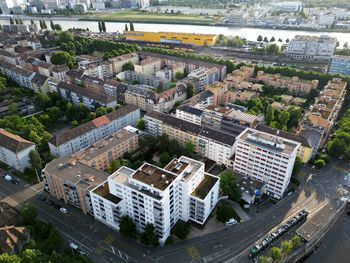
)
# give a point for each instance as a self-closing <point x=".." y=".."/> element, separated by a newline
<point x="242" y="214"/>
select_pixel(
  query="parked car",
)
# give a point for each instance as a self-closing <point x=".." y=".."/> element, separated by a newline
<point x="64" y="210"/>
<point x="8" y="178"/>
<point x="49" y="202"/>
<point x="231" y="222"/>
<point x="58" y="207"/>
<point x="14" y="181"/>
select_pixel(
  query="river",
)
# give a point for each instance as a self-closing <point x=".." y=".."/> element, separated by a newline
<point x="336" y="245"/>
<point x="248" y="33"/>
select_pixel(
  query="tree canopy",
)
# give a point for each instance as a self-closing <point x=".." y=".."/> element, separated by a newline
<point x="229" y="186"/>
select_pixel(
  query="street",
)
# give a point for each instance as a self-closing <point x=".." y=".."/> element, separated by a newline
<point x="227" y="245"/>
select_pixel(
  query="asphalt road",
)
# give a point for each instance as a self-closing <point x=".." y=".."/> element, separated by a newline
<point x="228" y="245"/>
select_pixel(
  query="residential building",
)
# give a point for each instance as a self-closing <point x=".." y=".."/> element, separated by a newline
<point x="18" y="74"/>
<point x="266" y="158"/>
<point x="172" y="38"/>
<point x="116" y="89"/>
<point x="311" y="47"/>
<point x="118" y="62"/>
<point x="148" y="66"/>
<point x="289" y="6"/>
<point x="188" y="63"/>
<point x="238" y="76"/>
<point x="294" y="84"/>
<point x="235" y="121"/>
<point x="59" y="72"/>
<point x="340" y="65"/>
<point x="13" y="239"/>
<point x="84" y="135"/>
<point x="102" y="70"/>
<point x="89" y="97"/>
<point x="148" y="100"/>
<point x="213" y="144"/>
<point x="71" y="181"/>
<point x="159" y="196"/>
<point x="205" y="76"/>
<point x="213" y="115"/>
<point x="40" y="83"/>
<point x="189" y="114"/>
<point x="14" y="150"/>
<point x="141" y="78"/>
<point x="113" y="147"/>
<point x="237" y="18"/>
<point x="200" y="100"/>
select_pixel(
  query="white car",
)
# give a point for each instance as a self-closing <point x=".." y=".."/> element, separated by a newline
<point x="64" y="210"/>
<point x="8" y="178"/>
<point x="231" y="222"/>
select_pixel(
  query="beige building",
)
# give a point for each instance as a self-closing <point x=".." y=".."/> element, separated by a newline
<point x="148" y="66"/>
<point x="71" y="181"/>
<point x="234" y="79"/>
<point x="100" y="154"/>
<point x="118" y="62"/>
<point x="293" y="84"/>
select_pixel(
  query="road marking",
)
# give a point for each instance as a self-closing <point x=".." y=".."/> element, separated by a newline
<point x="193" y="252"/>
<point x="109" y="240"/>
<point x="99" y="250"/>
<point x="340" y="169"/>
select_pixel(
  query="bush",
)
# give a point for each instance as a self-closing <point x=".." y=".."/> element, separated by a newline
<point x="127" y="227"/>
<point x="320" y="163"/>
<point x="149" y="236"/>
<point x="181" y="229"/>
<point x="225" y="212"/>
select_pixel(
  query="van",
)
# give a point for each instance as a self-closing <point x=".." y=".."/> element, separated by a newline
<point x="231" y="222"/>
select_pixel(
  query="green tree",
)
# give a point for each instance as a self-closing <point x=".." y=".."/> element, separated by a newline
<point x="263" y="259"/>
<point x="229" y="186"/>
<point x="132" y="26"/>
<point x="269" y="115"/>
<point x="296" y="241"/>
<point x="272" y="39"/>
<point x="28" y="213"/>
<point x="52" y="25"/>
<point x="319" y="163"/>
<point x="128" y="66"/>
<point x="181" y="229"/>
<point x="190" y="149"/>
<point x="141" y="124"/>
<point x="116" y="164"/>
<point x="12" y="108"/>
<point x="126" y="28"/>
<point x="260" y="38"/>
<point x="266" y="40"/>
<point x="345" y="45"/>
<point x="58" y="27"/>
<point x="287" y="40"/>
<point x="164" y="159"/>
<point x="31" y="21"/>
<point x="189" y="91"/>
<point x="127" y="227"/>
<point x="11" y="21"/>
<point x="103" y="26"/>
<point x="298" y="164"/>
<point x="224" y="213"/>
<point x="32" y="256"/>
<point x="149" y="236"/>
<point x="336" y="147"/>
<point x="284" y="118"/>
<point x="6" y="258"/>
<point x="99" y="26"/>
<point x="294" y="117"/>
<point x="275" y="253"/>
<point x="44" y="24"/>
<point x="287" y="247"/>
<point x="179" y="75"/>
<point x="42" y="101"/>
<point x="54" y="242"/>
<point x="62" y="57"/>
<point x="35" y="161"/>
<point x="55" y="113"/>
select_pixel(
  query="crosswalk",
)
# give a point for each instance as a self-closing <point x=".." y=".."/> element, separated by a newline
<point x="99" y="250"/>
<point x="340" y="169"/>
<point x="193" y="252"/>
<point x="109" y="239"/>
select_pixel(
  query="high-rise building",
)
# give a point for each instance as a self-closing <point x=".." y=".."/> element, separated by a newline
<point x="340" y="65"/>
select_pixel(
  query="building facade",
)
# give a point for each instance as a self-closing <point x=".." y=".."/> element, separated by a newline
<point x="340" y="65"/>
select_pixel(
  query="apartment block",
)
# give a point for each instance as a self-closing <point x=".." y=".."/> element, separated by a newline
<point x="84" y="135"/>
<point x="154" y="81"/>
<point x="18" y="74"/>
<point x="189" y="114"/>
<point x="14" y="150"/>
<point x="211" y="143"/>
<point x="339" y="65"/>
<point x="100" y="70"/>
<point x="113" y="147"/>
<point x="189" y="64"/>
<point x="200" y="100"/>
<point x="293" y="84"/>
<point x="206" y="77"/>
<point x="40" y="83"/>
<point x="59" y="72"/>
<point x="71" y="181"/>
<point x="148" y="66"/>
<point x="152" y="195"/>
<point x="311" y="47"/>
<point x="118" y="62"/>
<point x="266" y="158"/>
<point x="89" y="97"/>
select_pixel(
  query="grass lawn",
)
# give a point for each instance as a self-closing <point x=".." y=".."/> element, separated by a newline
<point x="137" y="16"/>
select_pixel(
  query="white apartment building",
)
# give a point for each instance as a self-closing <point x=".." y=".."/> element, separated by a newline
<point x="266" y="158"/>
<point x="206" y="76"/>
<point x="118" y="62"/>
<point x="152" y="195"/>
<point x="148" y="66"/>
<point x="73" y="140"/>
<point x="189" y="114"/>
<point x="14" y="150"/>
<point x="312" y="47"/>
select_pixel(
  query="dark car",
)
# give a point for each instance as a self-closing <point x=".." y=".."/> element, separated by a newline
<point x="58" y="207"/>
<point x="49" y="202"/>
<point x="42" y="198"/>
<point x="14" y="181"/>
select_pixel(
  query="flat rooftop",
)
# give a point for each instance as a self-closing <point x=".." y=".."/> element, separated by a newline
<point x="205" y="186"/>
<point x="177" y="166"/>
<point x="154" y="176"/>
<point x="84" y="176"/>
<point x="269" y="141"/>
<point x="103" y="191"/>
